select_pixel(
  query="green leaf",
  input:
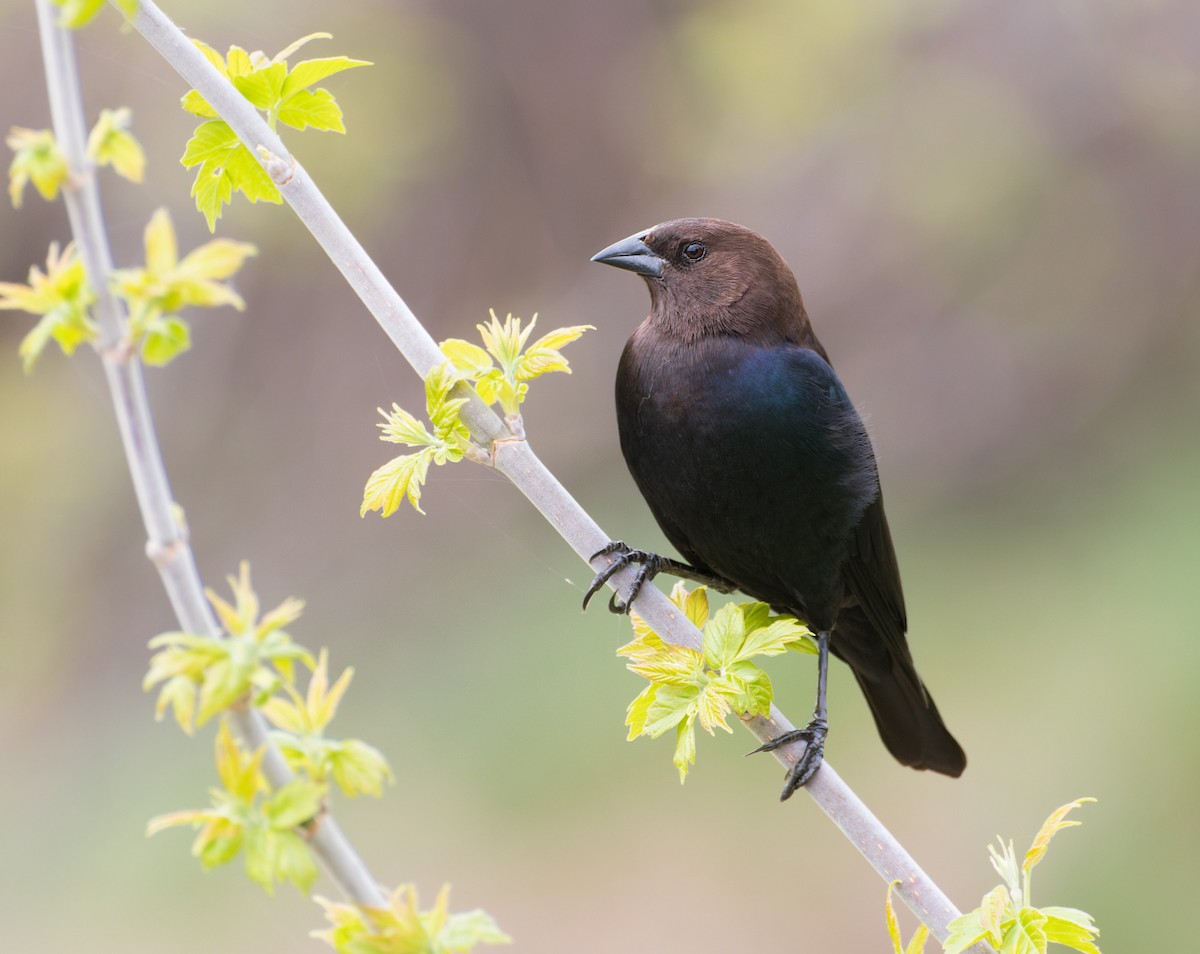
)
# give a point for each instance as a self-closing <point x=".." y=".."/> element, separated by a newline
<point x="166" y="337"/>
<point x="77" y="13"/>
<point x="261" y="847"/>
<point x="218" y="842"/>
<point x="469" y="359"/>
<point x="298" y="802"/>
<point x="675" y="666"/>
<point x="110" y="143"/>
<point x="756" y="688"/>
<point x="639" y="710"/>
<point x="225" y="165"/>
<point x="61" y="296"/>
<point x="263" y="86"/>
<point x="723" y="636"/>
<point x="197" y="105"/>
<point x="36" y="159"/>
<point x="544" y="356"/>
<point x="359" y="769"/>
<point x="213" y="140"/>
<point x="685" y="747"/>
<point x="215" y="260"/>
<point x="671" y="705"/>
<point x="179" y="694"/>
<point x="1070" y="927"/>
<point x="250" y="178"/>
<point x="782" y="634"/>
<point x="307" y="72"/>
<point x="189" y="818"/>
<point x="399" y="478"/>
<point x="1025" y="934"/>
<point x="212" y="190"/>
<point x="213" y="57"/>
<point x="965" y="930"/>
<point x="1054" y="824"/>
<point x="713" y="705"/>
<point x="293" y="861"/>
<point x="463" y="931"/>
<point x="994" y="910"/>
<point x="315" y="108"/>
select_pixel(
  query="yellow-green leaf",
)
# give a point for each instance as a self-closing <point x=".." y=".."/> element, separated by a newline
<point x="262" y="86"/>
<point x="197" y="105"/>
<point x="215" y="260"/>
<point x="399" y="478"/>
<point x="685" y="747"/>
<point x="469" y="359"/>
<point x="293" y="805"/>
<point x="38" y="160"/>
<point x="359" y="768"/>
<point x="213" y="57"/>
<point x="110" y="143"/>
<point x="177" y="819"/>
<point x="1054" y="824"/>
<point x="307" y="72"/>
<point x="315" y="108"/>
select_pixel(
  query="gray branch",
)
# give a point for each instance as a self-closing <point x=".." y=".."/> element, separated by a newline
<point x="513" y="457"/>
<point x="167" y="543"/>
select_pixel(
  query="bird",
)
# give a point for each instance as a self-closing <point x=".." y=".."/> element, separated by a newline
<point x="760" y="472"/>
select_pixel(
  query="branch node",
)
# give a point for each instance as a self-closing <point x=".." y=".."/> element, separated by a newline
<point x="480" y="455"/>
<point x="281" y="169"/>
<point x="501" y="442"/>
<point x="117" y="352"/>
<point x="161" y="554"/>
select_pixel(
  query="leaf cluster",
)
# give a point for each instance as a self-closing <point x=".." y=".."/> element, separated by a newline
<point x="38" y="159"/>
<point x="403" y="928"/>
<point x="403" y="476"/>
<point x="689" y="686"/>
<point x="63" y="298"/>
<point x="166" y="283"/>
<point x="1006" y="917"/>
<point x="203" y="675"/>
<point x="152" y="293"/>
<point x="253" y="663"/>
<point x="223" y="163"/>
<point x="246" y="816"/>
<point x="354" y="766"/>
<point x="500" y="371"/>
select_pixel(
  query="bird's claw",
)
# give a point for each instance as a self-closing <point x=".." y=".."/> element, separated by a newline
<point x="649" y="564"/>
<point x="813" y="736"/>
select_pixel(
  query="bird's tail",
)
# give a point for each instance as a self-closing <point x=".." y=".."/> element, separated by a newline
<point x="905" y="715"/>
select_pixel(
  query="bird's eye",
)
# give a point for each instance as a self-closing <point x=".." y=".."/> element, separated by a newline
<point x="694" y="251"/>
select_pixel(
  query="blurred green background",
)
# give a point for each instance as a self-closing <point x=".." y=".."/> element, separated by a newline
<point x="994" y="213"/>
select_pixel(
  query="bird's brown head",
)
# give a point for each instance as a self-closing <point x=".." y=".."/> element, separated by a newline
<point x="708" y="277"/>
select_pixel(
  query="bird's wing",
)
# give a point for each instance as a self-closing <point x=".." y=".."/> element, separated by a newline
<point x="873" y="576"/>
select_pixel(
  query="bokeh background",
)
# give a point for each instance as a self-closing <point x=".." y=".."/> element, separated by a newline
<point x="994" y="213"/>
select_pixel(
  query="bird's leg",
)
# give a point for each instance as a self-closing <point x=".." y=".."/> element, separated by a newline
<point x="813" y="735"/>
<point x="650" y="565"/>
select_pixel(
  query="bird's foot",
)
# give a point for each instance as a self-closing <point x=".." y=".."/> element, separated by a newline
<point x="813" y="736"/>
<point x="649" y="564"/>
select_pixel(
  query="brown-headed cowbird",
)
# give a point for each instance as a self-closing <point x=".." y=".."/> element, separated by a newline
<point x="759" y="470"/>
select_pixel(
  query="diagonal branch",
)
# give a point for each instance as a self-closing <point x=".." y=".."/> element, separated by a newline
<point x="513" y="457"/>
<point x="167" y="544"/>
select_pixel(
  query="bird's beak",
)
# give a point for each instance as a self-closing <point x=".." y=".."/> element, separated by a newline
<point x="634" y="254"/>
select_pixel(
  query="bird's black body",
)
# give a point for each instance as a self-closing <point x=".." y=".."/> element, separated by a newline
<point x="757" y="466"/>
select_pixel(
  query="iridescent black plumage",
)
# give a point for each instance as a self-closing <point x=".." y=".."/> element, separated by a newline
<point x="759" y="470"/>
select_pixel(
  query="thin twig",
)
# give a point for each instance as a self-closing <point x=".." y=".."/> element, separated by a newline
<point x="167" y="543"/>
<point x="514" y="458"/>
